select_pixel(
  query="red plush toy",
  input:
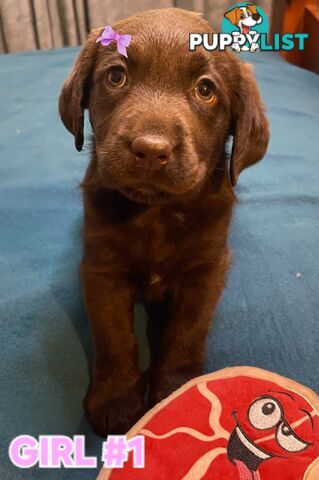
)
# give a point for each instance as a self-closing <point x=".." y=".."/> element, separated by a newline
<point x="240" y="423"/>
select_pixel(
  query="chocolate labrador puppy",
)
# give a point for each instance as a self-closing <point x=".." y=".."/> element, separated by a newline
<point x="158" y="198"/>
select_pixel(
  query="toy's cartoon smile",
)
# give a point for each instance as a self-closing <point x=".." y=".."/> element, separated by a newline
<point x="241" y="449"/>
<point x="265" y="413"/>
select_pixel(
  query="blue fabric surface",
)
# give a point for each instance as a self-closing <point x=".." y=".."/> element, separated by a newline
<point x="268" y="315"/>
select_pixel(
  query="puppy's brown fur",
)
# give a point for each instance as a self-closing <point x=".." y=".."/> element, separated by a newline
<point x="162" y="234"/>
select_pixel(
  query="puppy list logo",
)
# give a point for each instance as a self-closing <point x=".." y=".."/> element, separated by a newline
<point x="244" y="28"/>
<point x="245" y="22"/>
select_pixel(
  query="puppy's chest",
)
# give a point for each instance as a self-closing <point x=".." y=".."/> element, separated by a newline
<point x="153" y="247"/>
<point x="160" y="250"/>
<point x="155" y="240"/>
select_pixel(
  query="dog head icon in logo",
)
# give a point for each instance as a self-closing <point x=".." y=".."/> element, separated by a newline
<point x="244" y="17"/>
<point x="245" y="20"/>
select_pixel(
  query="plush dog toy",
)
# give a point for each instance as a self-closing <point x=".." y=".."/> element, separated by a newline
<point x="240" y="423"/>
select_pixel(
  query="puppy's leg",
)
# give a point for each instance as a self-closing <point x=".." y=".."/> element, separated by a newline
<point x="115" y="398"/>
<point x="158" y="317"/>
<point x="235" y="45"/>
<point x="254" y="45"/>
<point x="183" y="344"/>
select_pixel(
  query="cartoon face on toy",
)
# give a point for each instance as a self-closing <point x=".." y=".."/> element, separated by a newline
<point x="278" y="424"/>
<point x="237" y="424"/>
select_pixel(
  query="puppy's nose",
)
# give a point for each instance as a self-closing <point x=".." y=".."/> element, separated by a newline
<point x="153" y="150"/>
<point x="256" y="16"/>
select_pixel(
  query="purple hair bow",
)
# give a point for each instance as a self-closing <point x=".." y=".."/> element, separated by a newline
<point x="122" y="41"/>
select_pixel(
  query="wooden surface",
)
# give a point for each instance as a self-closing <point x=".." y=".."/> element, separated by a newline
<point x="302" y="16"/>
<point x="310" y="59"/>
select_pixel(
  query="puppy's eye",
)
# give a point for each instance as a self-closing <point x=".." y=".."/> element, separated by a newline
<point x="205" y="91"/>
<point x="242" y="15"/>
<point x="116" y="77"/>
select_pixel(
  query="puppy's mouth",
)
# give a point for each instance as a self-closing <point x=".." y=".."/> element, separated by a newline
<point x="147" y="194"/>
<point x="245" y="454"/>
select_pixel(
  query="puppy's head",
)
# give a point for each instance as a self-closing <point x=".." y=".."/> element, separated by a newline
<point x="161" y="117"/>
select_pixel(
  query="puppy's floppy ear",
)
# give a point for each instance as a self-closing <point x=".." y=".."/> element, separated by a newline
<point x="74" y="94"/>
<point x="252" y="8"/>
<point x="232" y="15"/>
<point x="250" y="125"/>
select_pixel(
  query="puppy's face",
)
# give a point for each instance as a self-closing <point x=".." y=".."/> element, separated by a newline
<point x="244" y="17"/>
<point x="160" y="118"/>
<point x="247" y="17"/>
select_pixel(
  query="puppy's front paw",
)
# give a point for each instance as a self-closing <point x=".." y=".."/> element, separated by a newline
<point x="116" y="414"/>
<point x="236" y="47"/>
<point x="254" y="47"/>
<point x="167" y="383"/>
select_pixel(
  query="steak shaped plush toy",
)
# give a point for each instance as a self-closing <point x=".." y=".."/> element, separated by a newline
<point x="241" y="423"/>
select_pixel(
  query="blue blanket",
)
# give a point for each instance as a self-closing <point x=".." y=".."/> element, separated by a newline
<point x="268" y="315"/>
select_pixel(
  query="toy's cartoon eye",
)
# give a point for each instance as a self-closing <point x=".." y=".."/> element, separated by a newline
<point x="242" y="15"/>
<point x="288" y="440"/>
<point x="265" y="413"/>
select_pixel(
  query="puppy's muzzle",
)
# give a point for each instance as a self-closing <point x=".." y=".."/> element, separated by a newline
<point x="152" y="152"/>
